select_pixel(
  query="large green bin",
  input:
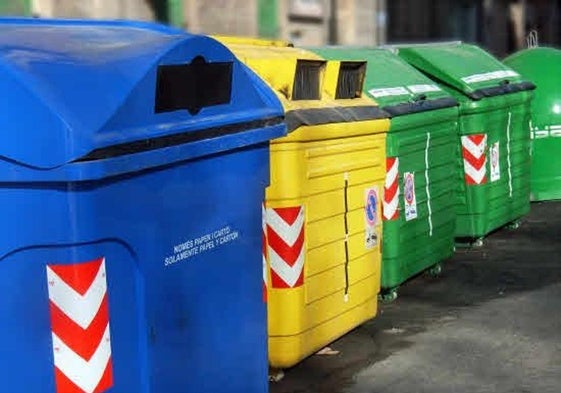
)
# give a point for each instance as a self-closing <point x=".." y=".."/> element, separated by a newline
<point x="542" y="66"/>
<point x="422" y="150"/>
<point x="494" y="133"/>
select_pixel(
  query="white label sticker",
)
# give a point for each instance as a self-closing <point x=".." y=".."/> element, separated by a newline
<point x="489" y="76"/>
<point x="371" y="201"/>
<point x="409" y="196"/>
<point x="388" y="91"/>
<point x="419" y="89"/>
<point x="539" y="134"/>
<point x="201" y="244"/>
<point x="495" y="162"/>
<point x="550" y="131"/>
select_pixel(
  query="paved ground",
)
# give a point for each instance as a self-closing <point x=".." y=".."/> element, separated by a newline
<point x="491" y="323"/>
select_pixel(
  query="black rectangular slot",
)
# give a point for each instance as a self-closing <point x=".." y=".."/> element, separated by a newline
<point x="307" y="81"/>
<point x="351" y="79"/>
<point x="193" y="86"/>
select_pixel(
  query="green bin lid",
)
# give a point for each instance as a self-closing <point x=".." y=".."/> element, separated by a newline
<point x="398" y="87"/>
<point x="541" y="66"/>
<point x="466" y="68"/>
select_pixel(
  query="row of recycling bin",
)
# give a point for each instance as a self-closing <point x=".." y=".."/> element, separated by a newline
<point x="145" y="172"/>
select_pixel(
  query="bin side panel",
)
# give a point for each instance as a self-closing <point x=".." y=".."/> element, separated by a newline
<point x="422" y="236"/>
<point x="184" y="282"/>
<point x="520" y="165"/>
<point x="71" y="326"/>
<point x="206" y="318"/>
<point x="546" y="161"/>
<point x="540" y="66"/>
<point x="337" y="183"/>
<point x="501" y="193"/>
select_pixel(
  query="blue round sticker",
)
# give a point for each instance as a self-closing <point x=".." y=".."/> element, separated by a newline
<point x="371" y="207"/>
<point x="409" y="189"/>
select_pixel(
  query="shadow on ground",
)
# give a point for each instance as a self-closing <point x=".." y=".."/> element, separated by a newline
<point x="510" y="263"/>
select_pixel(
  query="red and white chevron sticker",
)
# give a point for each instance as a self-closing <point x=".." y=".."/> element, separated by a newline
<point x="264" y="249"/>
<point x="475" y="158"/>
<point x="80" y="327"/>
<point x="285" y="246"/>
<point x="391" y="190"/>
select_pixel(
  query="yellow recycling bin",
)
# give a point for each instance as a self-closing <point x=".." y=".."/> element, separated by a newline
<point x="322" y="219"/>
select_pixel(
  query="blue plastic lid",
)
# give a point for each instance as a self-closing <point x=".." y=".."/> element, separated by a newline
<point x="75" y="91"/>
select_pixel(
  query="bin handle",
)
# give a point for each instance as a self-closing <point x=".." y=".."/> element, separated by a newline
<point x="420" y="97"/>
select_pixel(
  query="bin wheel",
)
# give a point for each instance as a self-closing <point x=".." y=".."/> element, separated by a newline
<point x="479" y="242"/>
<point x="275" y="374"/>
<point x="435" y="270"/>
<point x="514" y="225"/>
<point x="389" y="295"/>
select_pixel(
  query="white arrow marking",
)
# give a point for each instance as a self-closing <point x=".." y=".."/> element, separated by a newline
<point x="476" y="150"/>
<point x="392" y="173"/>
<point x="476" y="175"/>
<point x="289" y="274"/>
<point x="391" y="207"/>
<point x="80" y="309"/>
<point x="288" y="233"/>
<point x="84" y="374"/>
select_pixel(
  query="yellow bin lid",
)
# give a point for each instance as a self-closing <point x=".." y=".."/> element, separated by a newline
<point x="314" y="91"/>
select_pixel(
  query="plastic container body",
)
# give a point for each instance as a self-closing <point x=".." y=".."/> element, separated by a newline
<point x="422" y="150"/>
<point x="323" y="215"/>
<point x="494" y="133"/>
<point x="129" y="254"/>
<point x="540" y="66"/>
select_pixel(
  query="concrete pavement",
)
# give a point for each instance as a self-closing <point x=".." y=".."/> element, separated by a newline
<point x="490" y="323"/>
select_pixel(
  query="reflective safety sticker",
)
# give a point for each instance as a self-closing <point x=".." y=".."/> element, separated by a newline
<point x="475" y="158"/>
<point x="79" y="306"/>
<point x="286" y="248"/>
<point x="495" y="162"/>
<point x="371" y="201"/>
<point x="390" y="206"/>
<point x="409" y="196"/>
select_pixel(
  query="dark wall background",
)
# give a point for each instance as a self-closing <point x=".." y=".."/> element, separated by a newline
<point x="489" y="23"/>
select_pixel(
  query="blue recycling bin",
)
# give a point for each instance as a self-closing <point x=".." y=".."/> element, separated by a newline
<point x="133" y="165"/>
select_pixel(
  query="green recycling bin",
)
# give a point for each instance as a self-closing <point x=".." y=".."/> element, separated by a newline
<point x="494" y="131"/>
<point x="542" y="65"/>
<point x="422" y="153"/>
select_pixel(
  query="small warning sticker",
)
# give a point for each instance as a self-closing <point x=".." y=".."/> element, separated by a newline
<point x="388" y="92"/>
<point x="495" y="162"/>
<point x="409" y="196"/>
<point x="371" y="217"/>
<point x="419" y="89"/>
<point x="489" y="76"/>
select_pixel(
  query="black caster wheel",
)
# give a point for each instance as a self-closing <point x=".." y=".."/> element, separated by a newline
<point x="478" y="243"/>
<point x="389" y="296"/>
<point x="275" y="374"/>
<point x="435" y="270"/>
<point x="514" y="225"/>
